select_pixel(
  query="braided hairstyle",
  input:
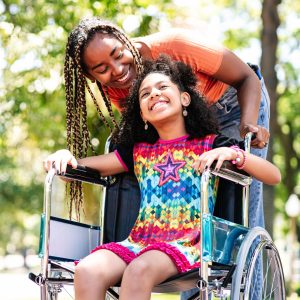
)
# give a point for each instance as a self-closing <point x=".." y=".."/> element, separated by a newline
<point x="200" y="120"/>
<point x="76" y="85"/>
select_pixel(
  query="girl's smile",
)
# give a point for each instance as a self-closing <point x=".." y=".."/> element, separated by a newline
<point x="160" y="104"/>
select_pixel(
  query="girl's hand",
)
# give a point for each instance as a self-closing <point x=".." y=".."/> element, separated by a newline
<point x="221" y="154"/>
<point x="59" y="161"/>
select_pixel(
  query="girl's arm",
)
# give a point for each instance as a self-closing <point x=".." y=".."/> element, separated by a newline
<point x="106" y="164"/>
<point x="255" y="166"/>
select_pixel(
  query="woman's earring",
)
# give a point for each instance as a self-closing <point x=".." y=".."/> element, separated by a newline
<point x="184" y="112"/>
<point x="146" y="125"/>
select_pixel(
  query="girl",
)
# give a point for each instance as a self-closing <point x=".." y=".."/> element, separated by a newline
<point x="167" y="135"/>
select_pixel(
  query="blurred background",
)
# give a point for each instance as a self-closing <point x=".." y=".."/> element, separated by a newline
<point x="33" y="35"/>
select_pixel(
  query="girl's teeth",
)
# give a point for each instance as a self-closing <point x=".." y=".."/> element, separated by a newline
<point x="157" y="105"/>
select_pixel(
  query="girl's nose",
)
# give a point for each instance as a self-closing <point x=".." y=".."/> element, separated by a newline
<point x="155" y="92"/>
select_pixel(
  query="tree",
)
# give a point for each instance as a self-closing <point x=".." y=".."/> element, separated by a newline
<point x="269" y="42"/>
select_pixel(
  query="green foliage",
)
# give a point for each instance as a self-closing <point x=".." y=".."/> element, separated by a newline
<point x="32" y="107"/>
<point x="33" y="36"/>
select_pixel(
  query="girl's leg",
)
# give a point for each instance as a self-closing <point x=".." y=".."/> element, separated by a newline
<point x="96" y="273"/>
<point x="144" y="272"/>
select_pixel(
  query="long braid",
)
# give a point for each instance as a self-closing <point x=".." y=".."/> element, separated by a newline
<point x="106" y="123"/>
<point x="72" y="142"/>
<point x="105" y="97"/>
<point x="78" y="135"/>
<point x="69" y="96"/>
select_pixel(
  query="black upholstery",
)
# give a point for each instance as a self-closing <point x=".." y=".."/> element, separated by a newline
<point x="228" y="204"/>
<point x="121" y="208"/>
<point x="123" y="201"/>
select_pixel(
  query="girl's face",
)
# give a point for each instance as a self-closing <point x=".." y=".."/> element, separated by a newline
<point x="160" y="99"/>
<point x="108" y="61"/>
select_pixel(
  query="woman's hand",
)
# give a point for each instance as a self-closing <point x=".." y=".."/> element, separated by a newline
<point x="59" y="161"/>
<point x="262" y="135"/>
<point x="221" y="154"/>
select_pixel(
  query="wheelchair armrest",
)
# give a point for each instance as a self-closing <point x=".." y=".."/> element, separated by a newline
<point x="230" y="172"/>
<point x="85" y="174"/>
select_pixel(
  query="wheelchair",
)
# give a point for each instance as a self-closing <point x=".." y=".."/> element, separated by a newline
<point x="236" y="262"/>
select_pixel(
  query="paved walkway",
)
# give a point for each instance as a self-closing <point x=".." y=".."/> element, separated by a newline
<point x="16" y="286"/>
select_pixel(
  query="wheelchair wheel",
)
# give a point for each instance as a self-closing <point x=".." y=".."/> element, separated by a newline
<point x="259" y="273"/>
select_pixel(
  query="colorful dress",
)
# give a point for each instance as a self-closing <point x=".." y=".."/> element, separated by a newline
<point x="169" y="214"/>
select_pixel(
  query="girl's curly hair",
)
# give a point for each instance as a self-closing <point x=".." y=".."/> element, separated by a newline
<point x="199" y="122"/>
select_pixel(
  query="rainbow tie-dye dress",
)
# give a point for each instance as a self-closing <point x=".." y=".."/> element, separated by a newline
<point x="169" y="216"/>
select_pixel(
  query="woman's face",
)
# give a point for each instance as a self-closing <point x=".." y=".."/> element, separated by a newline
<point x="108" y="61"/>
<point x="160" y="99"/>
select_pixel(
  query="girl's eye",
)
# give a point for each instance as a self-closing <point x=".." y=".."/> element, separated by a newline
<point x="162" y="87"/>
<point x="144" y="95"/>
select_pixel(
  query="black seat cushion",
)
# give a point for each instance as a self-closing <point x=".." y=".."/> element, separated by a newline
<point x="229" y="204"/>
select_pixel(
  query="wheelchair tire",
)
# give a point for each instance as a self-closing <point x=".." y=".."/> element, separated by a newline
<point x="258" y="251"/>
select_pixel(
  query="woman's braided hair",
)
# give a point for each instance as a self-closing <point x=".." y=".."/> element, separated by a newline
<point x="76" y="85"/>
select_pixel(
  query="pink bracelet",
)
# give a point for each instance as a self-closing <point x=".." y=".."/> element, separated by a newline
<point x="238" y="159"/>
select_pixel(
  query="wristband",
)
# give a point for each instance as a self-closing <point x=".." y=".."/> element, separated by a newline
<point x="238" y="158"/>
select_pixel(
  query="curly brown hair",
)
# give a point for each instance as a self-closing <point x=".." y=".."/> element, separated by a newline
<point x="199" y="122"/>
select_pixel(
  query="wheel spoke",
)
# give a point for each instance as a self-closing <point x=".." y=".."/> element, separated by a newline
<point x="265" y="282"/>
<point x="259" y="274"/>
<point x="272" y="293"/>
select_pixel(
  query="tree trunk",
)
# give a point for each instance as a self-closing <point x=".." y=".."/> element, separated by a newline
<point x="269" y="42"/>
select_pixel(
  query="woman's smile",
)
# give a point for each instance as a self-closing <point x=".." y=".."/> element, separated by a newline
<point x="123" y="79"/>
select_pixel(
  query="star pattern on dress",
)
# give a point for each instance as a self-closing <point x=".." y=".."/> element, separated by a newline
<point x="169" y="169"/>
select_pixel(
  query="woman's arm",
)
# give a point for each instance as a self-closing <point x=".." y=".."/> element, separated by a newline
<point x="106" y="164"/>
<point x="216" y="62"/>
<point x="236" y="73"/>
<point x="255" y="166"/>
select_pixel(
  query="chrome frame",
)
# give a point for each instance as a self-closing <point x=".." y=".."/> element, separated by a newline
<point x="239" y="178"/>
<point x="47" y="213"/>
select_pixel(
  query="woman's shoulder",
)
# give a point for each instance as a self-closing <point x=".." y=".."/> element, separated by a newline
<point x="177" y="35"/>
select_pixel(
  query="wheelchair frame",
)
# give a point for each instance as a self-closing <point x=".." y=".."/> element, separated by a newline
<point x="227" y="269"/>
